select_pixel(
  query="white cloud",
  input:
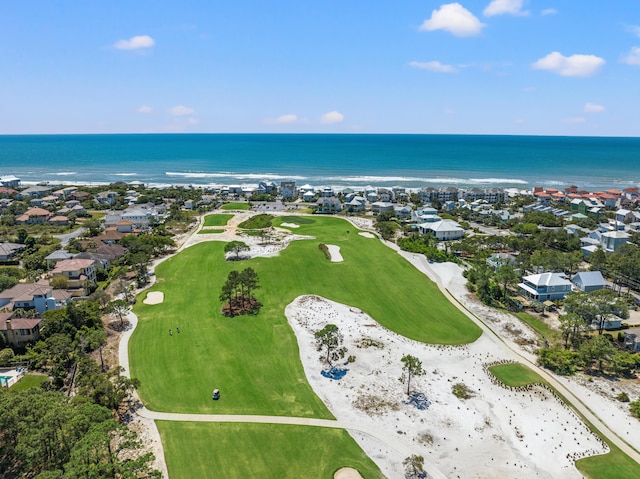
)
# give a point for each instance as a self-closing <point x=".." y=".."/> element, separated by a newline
<point x="145" y="110"/>
<point x="573" y="66"/>
<point x="455" y="19"/>
<point x="549" y="11"/>
<point x="332" y="117"/>
<point x="501" y="7"/>
<point x="574" y="119"/>
<point x="519" y="121"/>
<point x="192" y="121"/>
<point x="434" y="66"/>
<point x="290" y="118"/>
<point x="529" y="89"/>
<point x="135" y="43"/>
<point x="633" y="57"/>
<point x="449" y="111"/>
<point x="593" y="108"/>
<point x="635" y="29"/>
<point x="180" y="110"/>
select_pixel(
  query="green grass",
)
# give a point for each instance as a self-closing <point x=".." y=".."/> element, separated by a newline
<point x="260" y="450"/>
<point x="210" y="232"/>
<point x="254" y="360"/>
<point x="515" y="374"/>
<point x="257" y="222"/>
<point x="539" y="326"/>
<point x="29" y="381"/>
<point x="235" y="206"/>
<point x="614" y="465"/>
<point x="217" y="219"/>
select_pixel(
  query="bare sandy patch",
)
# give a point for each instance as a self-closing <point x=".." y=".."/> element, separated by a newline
<point x="334" y="251"/>
<point x="347" y="473"/>
<point x="154" y="297"/>
<point x="290" y="225"/>
<point x="366" y="234"/>
<point x="495" y="433"/>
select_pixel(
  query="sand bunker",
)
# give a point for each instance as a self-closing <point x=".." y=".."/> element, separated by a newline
<point x="366" y="234"/>
<point x="334" y="251"/>
<point x="290" y="225"/>
<point x="154" y="297"/>
<point x="495" y="433"/>
<point x="347" y="473"/>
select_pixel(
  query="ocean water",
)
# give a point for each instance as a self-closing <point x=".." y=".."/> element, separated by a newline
<point x="412" y="161"/>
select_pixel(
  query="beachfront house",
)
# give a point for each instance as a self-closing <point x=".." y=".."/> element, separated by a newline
<point x="545" y="286"/>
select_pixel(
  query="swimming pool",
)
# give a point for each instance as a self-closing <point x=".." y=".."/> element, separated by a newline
<point x="4" y="380"/>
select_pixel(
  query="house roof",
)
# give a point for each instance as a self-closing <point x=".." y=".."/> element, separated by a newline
<point x="25" y="291"/>
<point x="72" y="265"/>
<point x="443" y="225"/>
<point x="59" y="255"/>
<point x="547" y="279"/>
<point x="37" y="212"/>
<point x="7" y="249"/>
<point x="589" y="278"/>
<point x="20" y="323"/>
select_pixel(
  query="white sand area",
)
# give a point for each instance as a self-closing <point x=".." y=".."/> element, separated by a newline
<point x="366" y="234"/>
<point x="290" y="225"/>
<point x="497" y="433"/>
<point x="347" y="473"/>
<point x="154" y="297"/>
<point x="334" y="251"/>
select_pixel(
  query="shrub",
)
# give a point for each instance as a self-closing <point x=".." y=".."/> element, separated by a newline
<point x="462" y="391"/>
<point x="634" y="407"/>
<point x="325" y="250"/>
<point x="623" y="397"/>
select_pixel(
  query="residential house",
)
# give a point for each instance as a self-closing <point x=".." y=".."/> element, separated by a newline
<point x="34" y="216"/>
<point x="37" y="191"/>
<point x="402" y="211"/>
<point x="58" y="220"/>
<point x="329" y="204"/>
<point x="632" y="340"/>
<point x="106" y="197"/>
<point x="79" y="196"/>
<point x="288" y="190"/>
<point x="612" y="240"/>
<point x="9" y="250"/>
<point x="545" y="286"/>
<point x="28" y="296"/>
<point x="624" y="216"/>
<point x="381" y="207"/>
<point x="356" y="204"/>
<point x="57" y="256"/>
<point x="443" y="230"/>
<point x="19" y="332"/>
<point x="9" y="181"/>
<point x="78" y="273"/>
<point x="496" y="260"/>
<point x="588" y="281"/>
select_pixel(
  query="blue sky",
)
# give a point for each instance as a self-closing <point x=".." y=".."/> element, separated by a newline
<point x="552" y="67"/>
